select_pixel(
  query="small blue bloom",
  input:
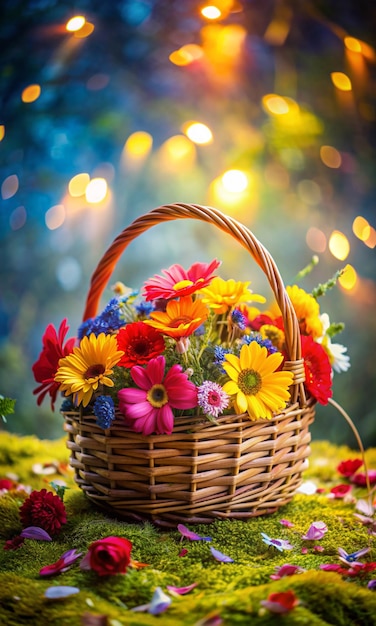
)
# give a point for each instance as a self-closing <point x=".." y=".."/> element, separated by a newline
<point x="144" y="308"/>
<point x="266" y="343"/>
<point x="239" y="319"/>
<point x="353" y="556"/>
<point x="280" y="544"/>
<point x="104" y="411"/>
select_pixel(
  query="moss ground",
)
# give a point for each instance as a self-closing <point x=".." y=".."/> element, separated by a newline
<point x="232" y="591"/>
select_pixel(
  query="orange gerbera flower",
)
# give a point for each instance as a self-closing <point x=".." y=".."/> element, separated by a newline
<point x="181" y="318"/>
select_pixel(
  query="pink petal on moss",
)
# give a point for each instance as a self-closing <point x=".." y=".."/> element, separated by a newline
<point x="182" y="590"/>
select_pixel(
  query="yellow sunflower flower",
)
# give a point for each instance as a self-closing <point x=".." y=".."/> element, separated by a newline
<point x="255" y="386"/>
<point x="222" y="295"/>
<point x="307" y="311"/>
<point x="274" y="334"/>
<point x="181" y="318"/>
<point x="89" y="365"/>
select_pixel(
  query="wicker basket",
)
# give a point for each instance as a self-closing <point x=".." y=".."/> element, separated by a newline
<point x="201" y="472"/>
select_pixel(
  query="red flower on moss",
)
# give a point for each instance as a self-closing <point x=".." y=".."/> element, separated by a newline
<point x="349" y="467"/>
<point x="108" y="556"/>
<point x="45" y="510"/>
<point x="318" y="371"/>
<point x="140" y="343"/>
<point x="340" y="491"/>
<point x="45" y="368"/>
<point x="360" y="478"/>
<point x="281" y="602"/>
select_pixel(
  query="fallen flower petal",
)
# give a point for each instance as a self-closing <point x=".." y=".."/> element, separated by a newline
<point x="183" y="552"/>
<point x="34" y="532"/>
<point x="308" y="487"/>
<point x="372" y="585"/>
<point x="280" y="544"/>
<point x="353" y="556"/>
<point x="137" y="564"/>
<point x="286" y="570"/>
<point x="330" y="567"/>
<point x="316" y="531"/>
<point x="363" y="506"/>
<point x="60" y="592"/>
<point x="181" y="590"/>
<point x="189" y="534"/>
<point x="159" y="602"/>
<point x="62" y="564"/>
<point x="282" y="602"/>
<point x="286" y="522"/>
<point x="340" y="491"/>
<point x="222" y="558"/>
<point x="210" y="620"/>
<point x="14" y="543"/>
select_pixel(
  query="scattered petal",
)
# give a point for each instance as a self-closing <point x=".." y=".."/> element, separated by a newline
<point x="181" y="590"/>
<point x="286" y="522"/>
<point x="372" y="585"/>
<point x="340" y="491"/>
<point x="222" y="558"/>
<point x="62" y="564"/>
<point x="316" y="531"/>
<point x="363" y="506"/>
<point x="189" y="534"/>
<point x="308" y="487"/>
<point x="183" y="552"/>
<point x="286" y="570"/>
<point x="159" y="602"/>
<point x="282" y="602"/>
<point x="34" y="532"/>
<point x="60" y="592"/>
<point x="318" y="548"/>
<point x="353" y="556"/>
<point x="280" y="544"/>
<point x="213" y="619"/>
<point x="14" y="543"/>
<point x="137" y="564"/>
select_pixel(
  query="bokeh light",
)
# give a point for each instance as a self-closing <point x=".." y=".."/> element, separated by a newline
<point x="316" y="239"/>
<point x="86" y="29"/>
<point x="339" y="245"/>
<point x="55" y="216"/>
<point x="96" y="190"/>
<point x="75" y="23"/>
<point x="211" y="12"/>
<point x="31" y="93"/>
<point x="78" y="184"/>
<point x="2" y="132"/>
<point x="341" y="81"/>
<point x="235" y="181"/>
<point x="198" y="133"/>
<point x="353" y="44"/>
<point x="349" y="278"/>
<point x="186" y="54"/>
<point x="18" y="218"/>
<point x="9" y="187"/>
<point x="361" y="228"/>
<point x="330" y="157"/>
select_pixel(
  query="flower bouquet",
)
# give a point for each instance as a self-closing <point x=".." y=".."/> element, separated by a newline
<point x="188" y="398"/>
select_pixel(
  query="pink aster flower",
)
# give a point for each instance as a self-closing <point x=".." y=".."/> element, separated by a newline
<point x="149" y="409"/>
<point x="212" y="399"/>
<point x="178" y="282"/>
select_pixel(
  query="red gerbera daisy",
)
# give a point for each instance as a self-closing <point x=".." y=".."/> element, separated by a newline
<point x="318" y="371"/>
<point x="46" y="366"/>
<point x="178" y="282"/>
<point x="45" y="510"/>
<point x="140" y="343"/>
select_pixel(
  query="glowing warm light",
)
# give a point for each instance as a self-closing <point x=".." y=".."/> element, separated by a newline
<point x="371" y="240"/>
<point x="198" y="132"/>
<point x="330" y="157"/>
<point x="96" y="190"/>
<point x="75" y="23"/>
<point x="31" y="93"/>
<point x="186" y="54"/>
<point x="9" y="187"/>
<point x="77" y="185"/>
<point x="211" y="12"/>
<point x="339" y="245"/>
<point x="275" y="104"/>
<point x="55" y="216"/>
<point x="138" y="145"/>
<point x="176" y="152"/>
<point x="2" y="132"/>
<point x="352" y="44"/>
<point x="316" y="239"/>
<point x="349" y="278"/>
<point x="235" y="181"/>
<point x="341" y="81"/>
<point x="84" y="31"/>
<point x="361" y="228"/>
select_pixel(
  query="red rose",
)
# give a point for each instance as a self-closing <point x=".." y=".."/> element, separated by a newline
<point x="349" y="467"/>
<point x="108" y="556"/>
<point x="45" y="510"/>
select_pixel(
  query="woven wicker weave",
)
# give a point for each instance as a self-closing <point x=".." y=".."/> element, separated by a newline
<point x="236" y="469"/>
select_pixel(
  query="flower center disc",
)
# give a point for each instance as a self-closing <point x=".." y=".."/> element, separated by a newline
<point x="182" y="284"/>
<point x="94" y="371"/>
<point x="250" y="382"/>
<point x="157" y="396"/>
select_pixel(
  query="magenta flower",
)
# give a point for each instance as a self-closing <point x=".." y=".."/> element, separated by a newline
<point x="178" y="282"/>
<point x="62" y="565"/>
<point x="316" y="531"/>
<point x="286" y="522"/>
<point x="286" y="570"/>
<point x="181" y="591"/>
<point x="212" y="399"/>
<point x="149" y="409"/>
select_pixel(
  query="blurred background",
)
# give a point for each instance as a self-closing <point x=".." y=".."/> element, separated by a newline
<point x="265" y="110"/>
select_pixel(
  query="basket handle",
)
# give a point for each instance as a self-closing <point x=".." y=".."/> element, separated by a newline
<point x="242" y="235"/>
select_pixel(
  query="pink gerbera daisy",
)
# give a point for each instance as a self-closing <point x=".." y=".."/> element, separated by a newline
<point x="178" y="282"/>
<point x="149" y="409"/>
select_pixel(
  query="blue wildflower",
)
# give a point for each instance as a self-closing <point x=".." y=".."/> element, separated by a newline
<point x="266" y="343"/>
<point x="239" y="319"/>
<point x="144" y="308"/>
<point x="104" y="411"/>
